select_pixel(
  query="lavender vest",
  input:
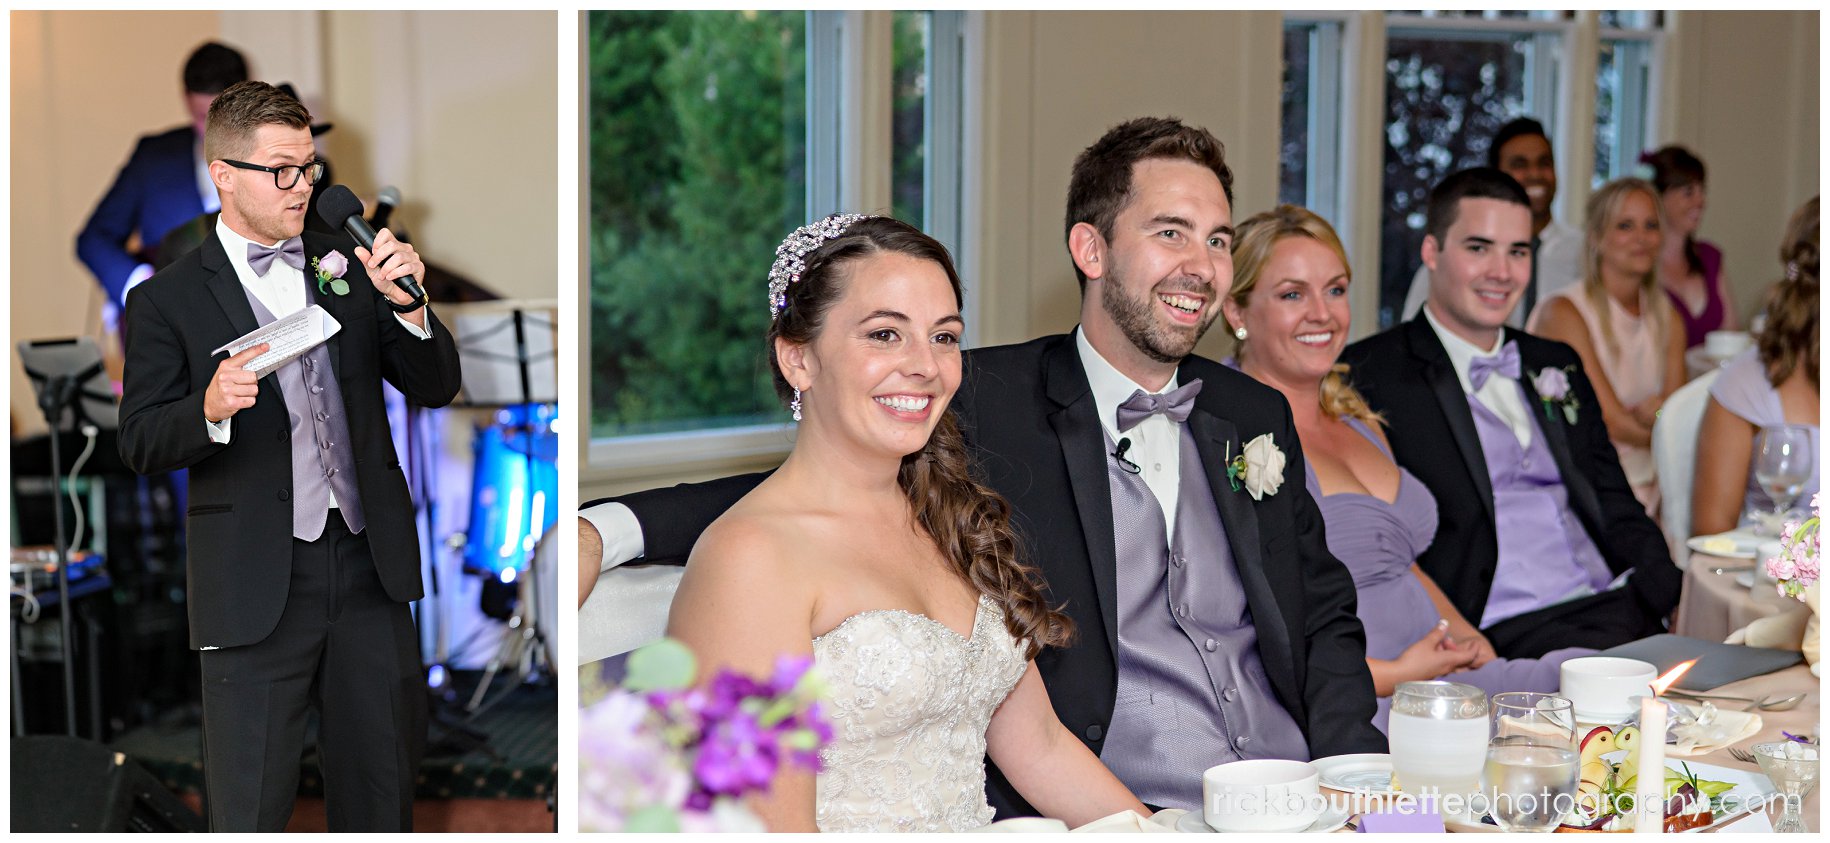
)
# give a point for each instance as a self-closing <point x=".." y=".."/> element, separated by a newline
<point x="1192" y="692"/>
<point x="321" y="453"/>
<point x="1545" y="555"/>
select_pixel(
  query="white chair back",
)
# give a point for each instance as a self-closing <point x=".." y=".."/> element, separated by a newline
<point x="627" y="607"/>
<point x="1674" y="449"/>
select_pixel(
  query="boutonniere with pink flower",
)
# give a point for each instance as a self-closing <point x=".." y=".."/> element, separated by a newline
<point x="1552" y="384"/>
<point x="330" y="269"/>
<point x="1259" y="468"/>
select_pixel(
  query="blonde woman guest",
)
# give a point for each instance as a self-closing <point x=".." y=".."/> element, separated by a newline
<point x="1630" y="340"/>
<point x="1773" y="383"/>
<point x="1288" y="308"/>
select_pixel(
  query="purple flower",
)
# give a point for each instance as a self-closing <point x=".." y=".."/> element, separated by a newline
<point x="736" y="756"/>
<point x="788" y="672"/>
<point x="333" y="264"/>
<point x="1551" y="383"/>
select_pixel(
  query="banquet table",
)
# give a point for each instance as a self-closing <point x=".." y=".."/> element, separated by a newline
<point x="1714" y="605"/>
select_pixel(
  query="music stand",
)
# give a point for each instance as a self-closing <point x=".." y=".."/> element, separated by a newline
<point x="72" y="386"/>
<point x="510" y="358"/>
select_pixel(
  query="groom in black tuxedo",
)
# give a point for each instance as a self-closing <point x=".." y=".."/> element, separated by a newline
<point x="1538" y="524"/>
<point x="303" y="552"/>
<point x="1213" y="623"/>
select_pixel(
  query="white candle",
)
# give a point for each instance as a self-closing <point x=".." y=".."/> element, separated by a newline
<point x="1649" y="793"/>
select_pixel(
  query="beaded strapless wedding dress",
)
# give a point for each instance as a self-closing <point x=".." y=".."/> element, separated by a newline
<point x="910" y="701"/>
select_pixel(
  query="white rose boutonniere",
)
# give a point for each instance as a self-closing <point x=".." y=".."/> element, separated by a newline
<point x="1259" y="469"/>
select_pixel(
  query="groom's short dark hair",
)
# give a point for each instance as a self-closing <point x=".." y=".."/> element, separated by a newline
<point x="1472" y="183"/>
<point x="1101" y="183"/>
<point x="241" y="110"/>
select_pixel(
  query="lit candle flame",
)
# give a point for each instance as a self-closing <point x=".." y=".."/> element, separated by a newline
<point x="1671" y="676"/>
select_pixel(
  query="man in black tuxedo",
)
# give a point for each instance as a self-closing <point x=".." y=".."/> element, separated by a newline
<point x="1213" y="623"/>
<point x="303" y="553"/>
<point x="1542" y="542"/>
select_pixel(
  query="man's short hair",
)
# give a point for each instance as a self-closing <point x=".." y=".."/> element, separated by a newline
<point x="1518" y="127"/>
<point x="1101" y="183"/>
<point x="241" y="110"/>
<point x="1472" y="183"/>
<point x="212" y="68"/>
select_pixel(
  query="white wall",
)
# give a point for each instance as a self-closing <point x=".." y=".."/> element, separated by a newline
<point x="457" y="109"/>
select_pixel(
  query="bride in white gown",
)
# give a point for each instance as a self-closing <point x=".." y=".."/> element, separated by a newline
<point x="872" y="549"/>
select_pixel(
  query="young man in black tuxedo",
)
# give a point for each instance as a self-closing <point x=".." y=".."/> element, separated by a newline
<point x="1213" y="623"/>
<point x="1542" y="542"/>
<point x="303" y="552"/>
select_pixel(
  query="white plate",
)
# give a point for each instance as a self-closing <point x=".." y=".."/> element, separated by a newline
<point x="1369" y="773"/>
<point x="1331" y="819"/>
<point x="1749" y="785"/>
<point x="1746" y="544"/>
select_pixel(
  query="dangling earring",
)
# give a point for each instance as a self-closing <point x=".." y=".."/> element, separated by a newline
<point x="795" y="405"/>
<point x="1239" y="333"/>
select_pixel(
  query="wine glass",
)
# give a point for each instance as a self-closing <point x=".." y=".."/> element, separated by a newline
<point x="1438" y="738"/>
<point x="1793" y="768"/>
<point x="1783" y="463"/>
<point x="1531" y="781"/>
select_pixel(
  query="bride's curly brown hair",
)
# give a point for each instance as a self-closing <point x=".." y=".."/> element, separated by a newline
<point x="968" y="521"/>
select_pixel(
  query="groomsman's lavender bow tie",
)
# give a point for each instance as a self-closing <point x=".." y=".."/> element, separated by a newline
<point x="1176" y="404"/>
<point x="1504" y="363"/>
<point x="260" y="258"/>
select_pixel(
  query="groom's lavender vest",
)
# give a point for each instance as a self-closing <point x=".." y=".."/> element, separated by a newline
<point x="1192" y="692"/>
<point x="1545" y="555"/>
<point x="321" y="461"/>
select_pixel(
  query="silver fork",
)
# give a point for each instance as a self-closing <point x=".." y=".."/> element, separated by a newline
<point x="1742" y="755"/>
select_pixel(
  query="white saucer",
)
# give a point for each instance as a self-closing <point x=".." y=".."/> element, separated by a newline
<point x="1368" y="773"/>
<point x="1331" y="819"/>
<point x="1746" y="544"/>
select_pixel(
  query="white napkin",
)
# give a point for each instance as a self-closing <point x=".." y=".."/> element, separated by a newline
<point x="1131" y="822"/>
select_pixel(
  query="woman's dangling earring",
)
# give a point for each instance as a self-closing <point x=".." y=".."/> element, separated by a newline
<point x="795" y="405"/>
<point x="1239" y="333"/>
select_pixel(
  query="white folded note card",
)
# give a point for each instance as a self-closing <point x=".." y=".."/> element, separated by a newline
<point x="287" y="339"/>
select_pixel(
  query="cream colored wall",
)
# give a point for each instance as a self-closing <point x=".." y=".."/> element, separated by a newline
<point x="1746" y="102"/>
<point x="463" y="119"/>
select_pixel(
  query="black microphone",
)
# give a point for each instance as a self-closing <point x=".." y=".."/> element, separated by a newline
<point x="385" y="202"/>
<point x="1119" y="454"/>
<point x="340" y="207"/>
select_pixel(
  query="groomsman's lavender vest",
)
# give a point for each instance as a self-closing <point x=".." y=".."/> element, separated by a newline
<point x="321" y="453"/>
<point x="1192" y="692"/>
<point x="1546" y="557"/>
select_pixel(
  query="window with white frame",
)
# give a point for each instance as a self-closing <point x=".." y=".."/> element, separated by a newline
<point x="1452" y="79"/>
<point x="1309" y="154"/>
<point x="711" y="135"/>
<point x="1623" y="91"/>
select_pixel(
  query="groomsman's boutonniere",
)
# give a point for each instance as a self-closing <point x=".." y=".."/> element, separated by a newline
<point x="329" y="270"/>
<point x="1259" y="469"/>
<point x="1553" y="389"/>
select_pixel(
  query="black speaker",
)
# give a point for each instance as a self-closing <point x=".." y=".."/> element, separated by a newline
<point x="69" y="784"/>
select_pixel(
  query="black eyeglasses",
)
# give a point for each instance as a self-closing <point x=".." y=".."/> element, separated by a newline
<point x="287" y="176"/>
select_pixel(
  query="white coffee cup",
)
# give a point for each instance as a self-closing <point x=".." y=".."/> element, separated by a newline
<point x="1722" y="345"/>
<point x="1601" y="688"/>
<point x="1262" y="794"/>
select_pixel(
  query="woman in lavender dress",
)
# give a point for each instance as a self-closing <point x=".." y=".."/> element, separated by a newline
<point x="1288" y="308"/>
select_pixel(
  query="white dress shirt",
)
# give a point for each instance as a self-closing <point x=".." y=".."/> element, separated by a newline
<point x="1500" y="394"/>
<point x="282" y="292"/>
<point x="1156" y="442"/>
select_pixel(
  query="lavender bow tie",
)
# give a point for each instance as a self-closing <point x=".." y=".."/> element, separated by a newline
<point x="1504" y="363"/>
<point x="260" y="258"/>
<point x="1176" y="404"/>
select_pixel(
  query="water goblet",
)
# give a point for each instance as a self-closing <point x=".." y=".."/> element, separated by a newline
<point x="1783" y="463"/>
<point x="1529" y="713"/>
<point x="1531" y="781"/>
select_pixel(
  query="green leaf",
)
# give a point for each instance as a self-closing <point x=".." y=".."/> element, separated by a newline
<point x="665" y="665"/>
<point x="653" y="819"/>
<point x="339" y="286"/>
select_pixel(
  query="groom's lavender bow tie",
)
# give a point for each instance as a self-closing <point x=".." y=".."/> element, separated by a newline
<point x="260" y="258"/>
<point x="1176" y="404"/>
<point x="1504" y="363"/>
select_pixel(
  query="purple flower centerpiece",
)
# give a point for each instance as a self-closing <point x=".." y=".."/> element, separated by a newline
<point x="660" y="754"/>
<point x="1796" y="565"/>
